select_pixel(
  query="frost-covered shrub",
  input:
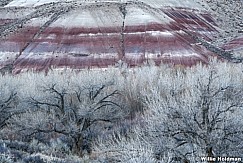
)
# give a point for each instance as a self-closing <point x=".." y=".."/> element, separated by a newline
<point x="58" y="148"/>
<point x="33" y="159"/>
<point x="197" y="112"/>
<point x="5" y="158"/>
<point x="120" y="149"/>
<point x="159" y="113"/>
<point x="3" y="148"/>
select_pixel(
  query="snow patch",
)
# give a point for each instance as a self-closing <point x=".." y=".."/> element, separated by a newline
<point x="136" y="16"/>
<point x="88" y="18"/>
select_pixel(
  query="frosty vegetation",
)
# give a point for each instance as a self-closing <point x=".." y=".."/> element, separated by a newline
<point x="147" y="114"/>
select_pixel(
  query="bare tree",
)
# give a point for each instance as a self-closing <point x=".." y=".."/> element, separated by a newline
<point x="8" y="108"/>
<point x="71" y="113"/>
<point x="200" y="114"/>
<point x="187" y="112"/>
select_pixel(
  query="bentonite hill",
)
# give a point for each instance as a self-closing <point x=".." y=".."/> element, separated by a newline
<point x="121" y="81"/>
<point x="44" y="34"/>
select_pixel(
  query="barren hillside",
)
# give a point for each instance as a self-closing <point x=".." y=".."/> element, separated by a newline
<point x="44" y="34"/>
<point x="229" y="17"/>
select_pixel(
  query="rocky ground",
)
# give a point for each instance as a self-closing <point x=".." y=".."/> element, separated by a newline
<point x="229" y="17"/>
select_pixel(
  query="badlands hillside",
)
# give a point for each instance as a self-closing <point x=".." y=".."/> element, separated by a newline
<point x="187" y="113"/>
<point x="46" y="34"/>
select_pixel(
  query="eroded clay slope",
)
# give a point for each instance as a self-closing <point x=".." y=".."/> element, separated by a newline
<point x="44" y="34"/>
